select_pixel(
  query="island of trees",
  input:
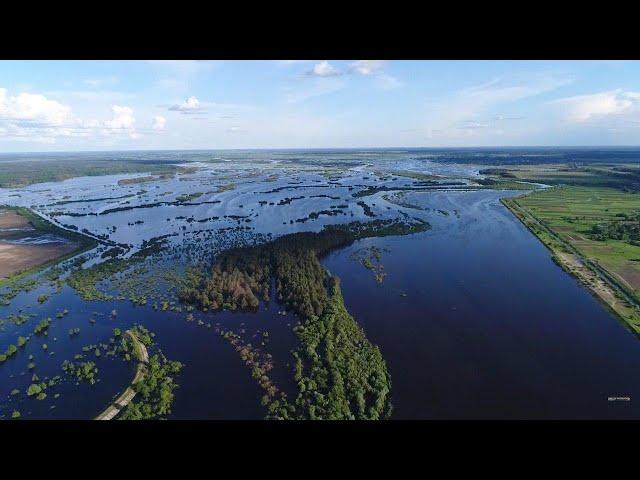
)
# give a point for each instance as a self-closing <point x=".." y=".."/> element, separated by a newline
<point x="339" y="373"/>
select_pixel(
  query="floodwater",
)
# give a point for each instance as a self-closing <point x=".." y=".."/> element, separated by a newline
<point x="473" y="318"/>
<point x="490" y="327"/>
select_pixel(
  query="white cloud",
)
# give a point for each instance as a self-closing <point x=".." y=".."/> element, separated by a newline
<point x="497" y="91"/>
<point x="122" y="121"/>
<point x="324" y="69"/>
<point x="34" y="117"/>
<point x="159" y="122"/>
<point x="190" y="106"/>
<point x="367" y="67"/>
<point x="582" y="108"/>
<point x="375" y="68"/>
<point x="33" y="108"/>
<point x="37" y="118"/>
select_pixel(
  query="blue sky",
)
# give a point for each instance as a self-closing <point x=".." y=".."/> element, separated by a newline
<point x="130" y="105"/>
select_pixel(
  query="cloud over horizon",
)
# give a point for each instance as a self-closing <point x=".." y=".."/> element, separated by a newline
<point x="316" y="103"/>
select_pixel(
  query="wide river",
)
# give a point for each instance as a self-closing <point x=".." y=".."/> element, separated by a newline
<point x="490" y="327"/>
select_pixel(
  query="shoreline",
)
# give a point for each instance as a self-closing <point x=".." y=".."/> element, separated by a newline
<point x="43" y="224"/>
<point x="596" y="279"/>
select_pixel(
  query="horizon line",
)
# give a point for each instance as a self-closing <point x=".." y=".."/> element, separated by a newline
<point x="318" y="149"/>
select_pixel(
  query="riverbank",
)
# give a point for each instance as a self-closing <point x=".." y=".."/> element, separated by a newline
<point x="599" y="281"/>
<point x="141" y="369"/>
<point x="18" y="260"/>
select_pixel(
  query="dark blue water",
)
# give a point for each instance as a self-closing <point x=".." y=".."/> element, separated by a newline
<point x="214" y="383"/>
<point x="490" y="327"/>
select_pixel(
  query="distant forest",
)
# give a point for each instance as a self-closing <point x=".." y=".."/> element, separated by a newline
<point x="26" y="172"/>
<point x="536" y="156"/>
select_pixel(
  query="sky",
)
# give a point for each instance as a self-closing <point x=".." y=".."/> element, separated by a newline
<point x="149" y="105"/>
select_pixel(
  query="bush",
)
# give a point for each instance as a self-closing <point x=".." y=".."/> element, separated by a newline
<point x="34" y="389"/>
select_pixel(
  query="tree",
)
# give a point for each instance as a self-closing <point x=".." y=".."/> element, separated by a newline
<point x="34" y="389"/>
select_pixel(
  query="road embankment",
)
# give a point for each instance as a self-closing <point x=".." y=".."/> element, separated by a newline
<point x="141" y="369"/>
<point x="595" y="278"/>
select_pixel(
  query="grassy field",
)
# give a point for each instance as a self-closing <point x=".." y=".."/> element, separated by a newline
<point x="566" y="215"/>
<point x="621" y="176"/>
<point x="19" y="174"/>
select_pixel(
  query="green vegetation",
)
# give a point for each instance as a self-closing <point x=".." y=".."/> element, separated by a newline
<point x="625" y="227"/>
<point x="143" y="335"/>
<point x="574" y="212"/>
<point x="260" y="363"/>
<point x="370" y="258"/>
<point x="367" y="209"/>
<point x="240" y="276"/>
<point x="593" y="175"/>
<point x="340" y="375"/>
<point x="226" y="188"/>
<point x="154" y="380"/>
<point x="148" y="178"/>
<point x="155" y="383"/>
<point x="188" y="197"/>
<point x="16" y="284"/>
<point x="19" y="174"/>
<point x="423" y="186"/>
<point x="399" y="199"/>
<point x="36" y="389"/>
<point x="9" y="352"/>
<point x="155" y="390"/>
<point x="502" y="184"/>
<point x="44" y="226"/>
<point x="596" y="225"/>
<point x="42" y="327"/>
<point x="81" y="371"/>
<point x="84" y="280"/>
<point x="409" y="174"/>
<point x="18" y="319"/>
<point x="18" y="281"/>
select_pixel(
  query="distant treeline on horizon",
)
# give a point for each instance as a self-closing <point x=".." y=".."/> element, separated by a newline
<point x="462" y="155"/>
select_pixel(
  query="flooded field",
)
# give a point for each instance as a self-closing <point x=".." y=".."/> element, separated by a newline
<point x="472" y="317"/>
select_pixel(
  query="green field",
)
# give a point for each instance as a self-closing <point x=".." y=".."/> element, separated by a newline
<point x="19" y="174"/>
<point x="624" y="177"/>
<point x="571" y="212"/>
